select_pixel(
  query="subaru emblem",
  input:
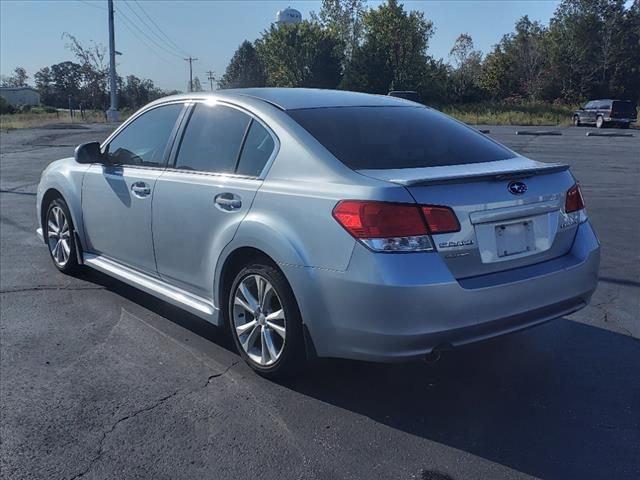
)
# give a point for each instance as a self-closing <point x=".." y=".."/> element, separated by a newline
<point x="517" y="188"/>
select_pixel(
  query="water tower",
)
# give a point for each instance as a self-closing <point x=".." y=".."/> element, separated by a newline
<point x="289" y="16"/>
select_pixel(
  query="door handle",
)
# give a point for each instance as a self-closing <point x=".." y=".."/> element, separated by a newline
<point x="140" y="189"/>
<point x="228" y="201"/>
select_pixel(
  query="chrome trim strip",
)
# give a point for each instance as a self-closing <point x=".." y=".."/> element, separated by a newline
<point x="507" y="213"/>
<point x="199" y="306"/>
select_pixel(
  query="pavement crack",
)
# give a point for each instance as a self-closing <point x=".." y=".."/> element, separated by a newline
<point x="105" y="434"/>
<point x="36" y="288"/>
<point x="96" y="458"/>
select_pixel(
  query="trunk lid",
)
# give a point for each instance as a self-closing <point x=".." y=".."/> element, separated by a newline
<point x="511" y="212"/>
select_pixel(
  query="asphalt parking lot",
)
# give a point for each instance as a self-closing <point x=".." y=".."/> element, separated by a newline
<point x="100" y="381"/>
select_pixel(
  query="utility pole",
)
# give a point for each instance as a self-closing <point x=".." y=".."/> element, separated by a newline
<point x="211" y="78"/>
<point x="112" y="113"/>
<point x="190" y="60"/>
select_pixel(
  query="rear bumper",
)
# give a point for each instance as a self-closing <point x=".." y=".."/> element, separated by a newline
<point x="394" y="307"/>
<point x="619" y="120"/>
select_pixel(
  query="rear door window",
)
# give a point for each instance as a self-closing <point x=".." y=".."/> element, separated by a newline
<point x="212" y="139"/>
<point x="626" y="108"/>
<point x="397" y="137"/>
<point x="256" y="151"/>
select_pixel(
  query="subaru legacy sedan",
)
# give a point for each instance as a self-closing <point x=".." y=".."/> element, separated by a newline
<point x="316" y="223"/>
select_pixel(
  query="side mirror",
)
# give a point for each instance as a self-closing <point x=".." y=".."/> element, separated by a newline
<point x="89" y="153"/>
<point x="581" y="108"/>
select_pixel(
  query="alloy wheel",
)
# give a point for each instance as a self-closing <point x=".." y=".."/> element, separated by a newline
<point x="58" y="236"/>
<point x="259" y="320"/>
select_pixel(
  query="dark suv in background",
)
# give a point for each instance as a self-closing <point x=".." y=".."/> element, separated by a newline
<point x="606" y="112"/>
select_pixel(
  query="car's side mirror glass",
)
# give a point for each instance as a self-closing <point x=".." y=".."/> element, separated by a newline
<point x="89" y="153"/>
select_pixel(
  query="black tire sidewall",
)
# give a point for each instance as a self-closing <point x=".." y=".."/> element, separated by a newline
<point x="292" y="357"/>
<point x="72" y="263"/>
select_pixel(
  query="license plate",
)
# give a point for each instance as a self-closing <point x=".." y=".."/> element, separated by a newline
<point x="514" y="238"/>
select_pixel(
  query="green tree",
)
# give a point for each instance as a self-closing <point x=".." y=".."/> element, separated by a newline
<point x="302" y="55"/>
<point x="344" y="19"/>
<point x="244" y="70"/>
<point x="17" y="79"/>
<point x="393" y="52"/>
<point x="467" y="66"/>
<point x="93" y="91"/>
<point x="589" y="42"/>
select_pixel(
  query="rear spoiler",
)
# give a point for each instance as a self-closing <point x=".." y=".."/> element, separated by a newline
<point x="465" y="173"/>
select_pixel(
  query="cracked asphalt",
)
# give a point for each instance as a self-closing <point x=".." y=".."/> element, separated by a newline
<point x="100" y="381"/>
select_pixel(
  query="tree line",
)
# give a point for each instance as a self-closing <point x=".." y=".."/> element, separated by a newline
<point x="84" y="83"/>
<point x="590" y="49"/>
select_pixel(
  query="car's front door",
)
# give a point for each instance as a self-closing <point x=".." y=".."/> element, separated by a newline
<point x="588" y="113"/>
<point x="203" y="196"/>
<point x="117" y="195"/>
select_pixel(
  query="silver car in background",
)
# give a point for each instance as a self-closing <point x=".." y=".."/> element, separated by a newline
<point x="323" y="223"/>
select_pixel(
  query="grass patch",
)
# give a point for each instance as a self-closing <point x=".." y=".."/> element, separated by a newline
<point x="508" y="114"/>
<point x="39" y="117"/>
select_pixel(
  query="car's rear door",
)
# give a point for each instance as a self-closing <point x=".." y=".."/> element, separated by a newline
<point x="207" y="190"/>
<point x="116" y="196"/>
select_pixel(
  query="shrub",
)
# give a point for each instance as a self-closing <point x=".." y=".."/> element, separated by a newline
<point x="6" y="107"/>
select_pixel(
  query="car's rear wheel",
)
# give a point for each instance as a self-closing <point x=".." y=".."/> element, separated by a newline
<point x="265" y="322"/>
<point x="58" y="232"/>
<point x="599" y="122"/>
<point x="576" y="121"/>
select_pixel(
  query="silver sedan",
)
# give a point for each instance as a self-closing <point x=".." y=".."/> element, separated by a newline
<point x="323" y="223"/>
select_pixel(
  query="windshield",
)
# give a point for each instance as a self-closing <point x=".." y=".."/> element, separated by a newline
<point x="396" y="137"/>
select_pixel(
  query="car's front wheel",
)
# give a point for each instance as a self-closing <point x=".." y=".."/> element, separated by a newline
<point x="599" y="122"/>
<point x="265" y="322"/>
<point x="576" y="121"/>
<point x="58" y="232"/>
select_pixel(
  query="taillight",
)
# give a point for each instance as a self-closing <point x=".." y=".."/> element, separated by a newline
<point x="574" y="200"/>
<point x="399" y="227"/>
<point x="441" y="219"/>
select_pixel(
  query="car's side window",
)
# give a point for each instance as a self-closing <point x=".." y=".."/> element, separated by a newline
<point x="605" y="106"/>
<point x="143" y="141"/>
<point x="212" y="139"/>
<point x="589" y="106"/>
<point x="258" y="147"/>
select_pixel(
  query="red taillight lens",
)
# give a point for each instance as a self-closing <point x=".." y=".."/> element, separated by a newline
<point x="574" y="200"/>
<point x="370" y="219"/>
<point x="441" y="219"/>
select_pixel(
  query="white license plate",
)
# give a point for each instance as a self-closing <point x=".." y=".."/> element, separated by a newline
<point x="514" y="238"/>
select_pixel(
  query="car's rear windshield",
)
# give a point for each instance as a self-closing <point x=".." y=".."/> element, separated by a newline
<point x="396" y="137"/>
<point x="624" y="106"/>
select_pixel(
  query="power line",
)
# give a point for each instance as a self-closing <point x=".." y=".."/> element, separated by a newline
<point x="90" y="4"/>
<point x="126" y="23"/>
<point x="178" y="48"/>
<point x="142" y="23"/>
<point x="131" y="22"/>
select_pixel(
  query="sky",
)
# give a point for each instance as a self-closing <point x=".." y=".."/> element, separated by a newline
<point x="31" y="30"/>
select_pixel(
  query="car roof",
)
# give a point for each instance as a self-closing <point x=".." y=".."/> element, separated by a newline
<point x="299" y="98"/>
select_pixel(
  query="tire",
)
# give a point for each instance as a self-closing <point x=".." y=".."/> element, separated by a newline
<point x="576" y="121"/>
<point x="599" y="122"/>
<point x="625" y="125"/>
<point x="58" y="233"/>
<point x="271" y="343"/>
